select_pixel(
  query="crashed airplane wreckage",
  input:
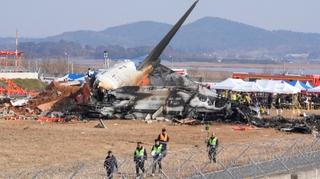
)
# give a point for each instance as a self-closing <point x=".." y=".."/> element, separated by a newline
<point x="150" y="90"/>
<point x="134" y="92"/>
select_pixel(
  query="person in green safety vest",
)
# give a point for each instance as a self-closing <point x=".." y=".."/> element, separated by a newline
<point x="140" y="156"/>
<point x="212" y="145"/>
<point x="156" y="152"/>
<point x="233" y="97"/>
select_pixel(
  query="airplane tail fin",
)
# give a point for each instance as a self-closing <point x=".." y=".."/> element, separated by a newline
<point x="153" y="57"/>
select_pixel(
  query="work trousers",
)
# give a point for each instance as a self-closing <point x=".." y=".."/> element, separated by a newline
<point x="156" y="161"/>
<point x="164" y="148"/>
<point x="139" y="166"/>
<point x="109" y="174"/>
<point x="212" y="153"/>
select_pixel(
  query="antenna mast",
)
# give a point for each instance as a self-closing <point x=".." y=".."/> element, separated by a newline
<point x="17" y="42"/>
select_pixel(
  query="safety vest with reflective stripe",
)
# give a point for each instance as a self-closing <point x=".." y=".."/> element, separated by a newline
<point x="239" y="97"/>
<point x="233" y="97"/>
<point x="213" y="141"/>
<point x="139" y="153"/>
<point x="157" y="150"/>
<point x="164" y="137"/>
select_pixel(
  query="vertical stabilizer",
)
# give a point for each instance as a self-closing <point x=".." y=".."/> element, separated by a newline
<point x="153" y="57"/>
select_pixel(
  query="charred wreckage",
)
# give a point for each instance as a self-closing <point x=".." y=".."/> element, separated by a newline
<point x="150" y="90"/>
<point x="134" y="91"/>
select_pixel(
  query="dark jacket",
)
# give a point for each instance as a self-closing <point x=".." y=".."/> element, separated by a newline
<point x="110" y="163"/>
<point x="144" y="157"/>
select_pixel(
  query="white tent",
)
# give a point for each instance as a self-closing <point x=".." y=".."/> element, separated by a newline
<point x="248" y="86"/>
<point x="299" y="86"/>
<point x="309" y="85"/>
<point x="228" y="84"/>
<point x="314" y="90"/>
<point x="277" y="86"/>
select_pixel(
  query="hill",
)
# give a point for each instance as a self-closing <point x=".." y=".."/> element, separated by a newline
<point x="145" y="33"/>
<point x="208" y="34"/>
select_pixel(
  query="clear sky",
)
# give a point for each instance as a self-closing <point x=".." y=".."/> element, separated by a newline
<point x="40" y="18"/>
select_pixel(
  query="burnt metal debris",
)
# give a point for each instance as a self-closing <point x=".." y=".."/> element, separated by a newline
<point x="176" y="103"/>
<point x="150" y="91"/>
<point x="117" y="94"/>
<point x="167" y="93"/>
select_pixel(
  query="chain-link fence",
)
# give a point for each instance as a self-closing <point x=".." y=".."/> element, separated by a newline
<point x="233" y="161"/>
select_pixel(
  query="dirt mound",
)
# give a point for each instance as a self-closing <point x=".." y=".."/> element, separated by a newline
<point x="65" y="90"/>
<point x="55" y="98"/>
<point x="53" y="95"/>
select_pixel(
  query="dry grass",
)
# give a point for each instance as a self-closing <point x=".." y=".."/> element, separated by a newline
<point x="29" y="144"/>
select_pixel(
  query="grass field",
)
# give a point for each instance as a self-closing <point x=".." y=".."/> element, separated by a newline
<point x="30" y="144"/>
<point x="30" y="84"/>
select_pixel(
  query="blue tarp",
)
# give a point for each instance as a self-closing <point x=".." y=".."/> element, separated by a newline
<point x="292" y="83"/>
<point x="74" y="76"/>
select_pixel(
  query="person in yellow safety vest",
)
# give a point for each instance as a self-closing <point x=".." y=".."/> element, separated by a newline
<point x="212" y="147"/>
<point x="239" y="98"/>
<point x="233" y="97"/>
<point x="140" y="156"/>
<point x="262" y="110"/>
<point x="164" y="139"/>
<point x="156" y="152"/>
<point x="224" y="94"/>
<point x="247" y="99"/>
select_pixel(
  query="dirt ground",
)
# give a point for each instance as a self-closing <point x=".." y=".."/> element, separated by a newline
<point x="27" y="144"/>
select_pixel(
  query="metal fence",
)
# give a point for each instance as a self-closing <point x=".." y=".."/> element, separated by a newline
<point x="233" y="161"/>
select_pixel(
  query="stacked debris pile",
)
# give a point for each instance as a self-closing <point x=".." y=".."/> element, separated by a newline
<point x="9" y="112"/>
<point x="285" y="125"/>
<point x="66" y="103"/>
<point x="243" y="114"/>
<point x="54" y="98"/>
<point x="314" y="120"/>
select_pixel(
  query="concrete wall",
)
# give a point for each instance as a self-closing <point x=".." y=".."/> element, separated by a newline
<point x="21" y="75"/>
<point x="305" y="174"/>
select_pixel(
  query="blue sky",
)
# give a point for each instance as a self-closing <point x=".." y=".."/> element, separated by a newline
<point x="40" y="18"/>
